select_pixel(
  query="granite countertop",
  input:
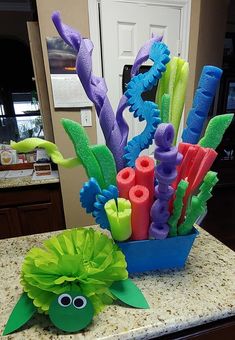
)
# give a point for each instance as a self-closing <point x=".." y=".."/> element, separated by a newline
<point x="25" y="181"/>
<point x="200" y="293"/>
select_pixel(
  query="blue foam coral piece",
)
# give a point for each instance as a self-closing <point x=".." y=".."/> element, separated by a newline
<point x="99" y="212"/>
<point x="145" y="110"/>
<point x="203" y="99"/>
<point x="88" y="194"/>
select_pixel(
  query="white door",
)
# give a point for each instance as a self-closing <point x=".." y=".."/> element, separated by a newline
<point x="125" y="27"/>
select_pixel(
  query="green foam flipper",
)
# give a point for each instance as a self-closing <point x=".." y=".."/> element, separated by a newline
<point x="215" y="130"/>
<point x="22" y="313"/>
<point x="127" y="292"/>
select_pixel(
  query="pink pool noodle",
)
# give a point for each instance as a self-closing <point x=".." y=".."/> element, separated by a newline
<point x="139" y="198"/>
<point x="125" y="181"/>
<point x="144" y="170"/>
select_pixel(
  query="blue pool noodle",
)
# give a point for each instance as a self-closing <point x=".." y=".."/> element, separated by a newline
<point x="202" y="101"/>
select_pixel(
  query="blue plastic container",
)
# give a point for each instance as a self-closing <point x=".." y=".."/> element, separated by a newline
<point x="146" y="255"/>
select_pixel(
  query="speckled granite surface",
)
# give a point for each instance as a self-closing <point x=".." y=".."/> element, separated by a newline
<point x="203" y="291"/>
<point x="24" y="181"/>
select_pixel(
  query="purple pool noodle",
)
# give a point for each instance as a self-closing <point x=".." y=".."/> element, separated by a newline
<point x="115" y="130"/>
<point x="95" y="88"/>
<point x="169" y="158"/>
<point x="202" y="101"/>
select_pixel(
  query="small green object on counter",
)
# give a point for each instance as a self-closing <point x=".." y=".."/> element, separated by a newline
<point x="178" y="205"/>
<point x="215" y="130"/>
<point x="119" y="216"/>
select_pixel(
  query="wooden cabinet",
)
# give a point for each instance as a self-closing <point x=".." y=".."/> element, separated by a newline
<point x="30" y="210"/>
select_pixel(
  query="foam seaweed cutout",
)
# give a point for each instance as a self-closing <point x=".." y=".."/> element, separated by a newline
<point x="106" y="162"/>
<point x="92" y="163"/>
<point x="198" y="203"/>
<point x="178" y="205"/>
<point x="99" y="212"/>
<point x="215" y="130"/>
<point x="119" y="217"/>
<point x="64" y="264"/>
<point x="145" y="110"/>
<point x="174" y="83"/>
<point x="202" y="101"/>
<point x="129" y="293"/>
<point x="88" y="194"/>
<point x="30" y="144"/>
<point x="22" y="313"/>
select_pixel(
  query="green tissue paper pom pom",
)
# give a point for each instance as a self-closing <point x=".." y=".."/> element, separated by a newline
<point x="82" y="260"/>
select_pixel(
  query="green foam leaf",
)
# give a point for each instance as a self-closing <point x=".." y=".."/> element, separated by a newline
<point x="83" y="151"/>
<point x="22" y="313"/>
<point x="198" y="203"/>
<point x="215" y="130"/>
<point x="106" y="162"/>
<point x="127" y="292"/>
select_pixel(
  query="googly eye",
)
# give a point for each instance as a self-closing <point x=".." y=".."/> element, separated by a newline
<point x="79" y="302"/>
<point x="64" y="300"/>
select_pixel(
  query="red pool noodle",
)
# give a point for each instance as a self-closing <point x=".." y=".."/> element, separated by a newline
<point x="125" y="180"/>
<point x="144" y="171"/>
<point x="139" y="197"/>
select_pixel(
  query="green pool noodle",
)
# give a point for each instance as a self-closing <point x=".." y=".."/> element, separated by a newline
<point x="81" y="143"/>
<point x="215" y="130"/>
<point x="177" y="207"/>
<point x="119" y="216"/>
<point x="165" y="107"/>
<point x="106" y="162"/>
<point x="163" y="85"/>
<point x="198" y="203"/>
<point x="172" y="81"/>
<point x="30" y="144"/>
<point x="196" y="209"/>
<point x="179" y="95"/>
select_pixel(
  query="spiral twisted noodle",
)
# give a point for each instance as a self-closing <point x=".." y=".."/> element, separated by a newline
<point x="95" y="87"/>
<point x="145" y="110"/>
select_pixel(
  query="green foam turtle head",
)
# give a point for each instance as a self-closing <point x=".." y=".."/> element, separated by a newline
<point x="72" y="311"/>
